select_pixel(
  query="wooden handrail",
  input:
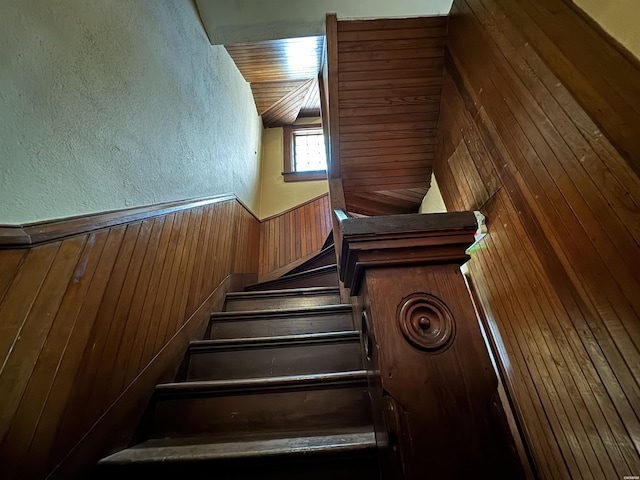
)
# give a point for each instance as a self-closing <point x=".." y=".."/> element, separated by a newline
<point x="341" y="216"/>
<point x="31" y="234"/>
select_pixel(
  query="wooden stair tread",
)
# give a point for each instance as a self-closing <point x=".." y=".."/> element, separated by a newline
<point x="274" y="355"/>
<point x="248" y="385"/>
<point x="292" y="292"/>
<point x="323" y="254"/>
<point x="276" y="390"/>
<point x="319" y="275"/>
<point x="319" y="309"/>
<point x="280" y="340"/>
<point x="300" y="273"/>
<point x="212" y="448"/>
<point x="294" y="320"/>
<point x="284" y="298"/>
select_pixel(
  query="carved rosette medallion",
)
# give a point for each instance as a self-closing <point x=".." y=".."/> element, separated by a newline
<point x="426" y="322"/>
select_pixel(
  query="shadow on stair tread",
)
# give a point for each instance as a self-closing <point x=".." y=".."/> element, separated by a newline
<point x="303" y="310"/>
<point x="312" y="402"/>
<point x="287" y="298"/>
<point x="301" y="354"/>
<point x="347" y="453"/>
<point x="247" y="446"/>
<point x="250" y="342"/>
<point x="326" y="256"/>
<point x="280" y="322"/>
<point x="355" y="377"/>
<point x="321" y="276"/>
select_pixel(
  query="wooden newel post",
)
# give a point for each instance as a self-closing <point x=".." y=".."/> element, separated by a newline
<point x="433" y="386"/>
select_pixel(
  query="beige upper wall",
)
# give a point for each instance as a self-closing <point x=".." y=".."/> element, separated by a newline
<point x="276" y="195"/>
<point x="107" y="105"/>
<point x="619" y="18"/>
<point x="433" y="201"/>
<point x="235" y="21"/>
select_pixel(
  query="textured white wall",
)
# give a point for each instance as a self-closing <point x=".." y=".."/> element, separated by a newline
<point x="234" y="21"/>
<point x="111" y="104"/>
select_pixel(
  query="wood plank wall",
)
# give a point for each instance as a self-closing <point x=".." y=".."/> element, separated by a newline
<point x="574" y="47"/>
<point x="559" y="272"/>
<point x="294" y="234"/>
<point x="389" y="75"/>
<point x="80" y="319"/>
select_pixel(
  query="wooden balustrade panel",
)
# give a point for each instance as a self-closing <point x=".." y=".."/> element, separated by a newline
<point x="559" y="272"/>
<point x="433" y="389"/>
<point x="82" y="317"/>
<point x="294" y="234"/>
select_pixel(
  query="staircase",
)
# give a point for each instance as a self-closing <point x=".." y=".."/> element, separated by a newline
<point x="276" y="390"/>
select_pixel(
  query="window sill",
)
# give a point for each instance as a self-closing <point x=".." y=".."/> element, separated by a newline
<point x="304" y="176"/>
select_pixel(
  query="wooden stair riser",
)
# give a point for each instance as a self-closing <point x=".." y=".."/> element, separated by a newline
<point x="324" y="258"/>
<point x="308" y="409"/>
<point x="276" y="325"/>
<point x="273" y="360"/>
<point x="324" y="276"/>
<point x="274" y="300"/>
<point x="275" y="391"/>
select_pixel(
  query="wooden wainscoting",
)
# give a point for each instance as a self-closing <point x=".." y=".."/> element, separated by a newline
<point x="82" y="317"/>
<point x="294" y="234"/>
<point x="585" y="59"/>
<point x="559" y="272"/>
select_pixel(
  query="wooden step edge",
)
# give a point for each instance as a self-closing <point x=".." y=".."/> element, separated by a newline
<point x="286" y="292"/>
<point x="329" y="241"/>
<point x="325" y="252"/>
<point x="275" y="341"/>
<point x="299" y="311"/>
<point x="155" y="451"/>
<point x="251" y="385"/>
<point x="314" y="272"/>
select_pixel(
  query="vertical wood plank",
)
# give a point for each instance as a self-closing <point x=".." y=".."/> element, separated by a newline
<point x="74" y="362"/>
<point x="106" y="391"/>
<point x="170" y="298"/>
<point x="294" y="234"/>
<point x="75" y="320"/>
<point x="103" y="336"/>
<point x="19" y="364"/>
<point x="557" y="272"/>
<point x="9" y="263"/>
<point x="16" y="304"/>
<point x="144" y="309"/>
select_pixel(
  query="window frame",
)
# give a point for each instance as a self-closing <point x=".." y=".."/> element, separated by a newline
<point x="289" y="173"/>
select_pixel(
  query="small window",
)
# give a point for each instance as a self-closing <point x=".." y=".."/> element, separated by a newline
<point x="304" y="153"/>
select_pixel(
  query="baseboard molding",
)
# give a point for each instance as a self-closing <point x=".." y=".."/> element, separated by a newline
<point x="114" y="429"/>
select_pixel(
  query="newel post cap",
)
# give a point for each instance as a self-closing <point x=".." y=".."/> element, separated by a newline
<point x="403" y="240"/>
